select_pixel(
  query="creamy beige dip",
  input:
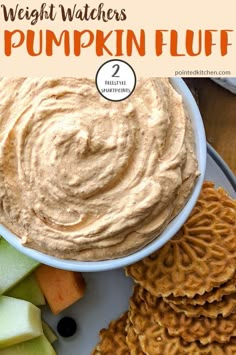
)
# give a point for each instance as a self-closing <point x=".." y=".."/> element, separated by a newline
<point x="89" y="179"/>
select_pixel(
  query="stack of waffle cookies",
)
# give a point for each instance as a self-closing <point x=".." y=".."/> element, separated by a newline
<point x="184" y="300"/>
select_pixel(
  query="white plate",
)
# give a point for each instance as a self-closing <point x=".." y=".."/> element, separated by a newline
<point x="227" y="83"/>
<point x="108" y="293"/>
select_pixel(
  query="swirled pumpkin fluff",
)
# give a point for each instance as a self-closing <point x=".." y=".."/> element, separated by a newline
<point x="85" y="178"/>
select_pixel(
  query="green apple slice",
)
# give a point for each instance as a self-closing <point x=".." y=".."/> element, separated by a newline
<point x="49" y="333"/>
<point x="36" y="346"/>
<point x="19" y="321"/>
<point x="14" y="266"/>
<point x="28" y="289"/>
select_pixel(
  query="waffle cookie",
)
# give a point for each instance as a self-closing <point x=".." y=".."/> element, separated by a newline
<point x="155" y="340"/>
<point x="216" y="294"/>
<point x="113" y="339"/>
<point x="184" y="301"/>
<point x="225" y="307"/>
<point x="200" y="257"/>
<point x="133" y="340"/>
<point x="205" y="330"/>
<point x="223" y="208"/>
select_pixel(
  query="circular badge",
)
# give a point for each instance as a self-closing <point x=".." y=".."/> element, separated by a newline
<point x="115" y="80"/>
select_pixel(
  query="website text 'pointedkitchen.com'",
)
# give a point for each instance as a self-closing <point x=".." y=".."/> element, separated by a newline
<point x="198" y="72"/>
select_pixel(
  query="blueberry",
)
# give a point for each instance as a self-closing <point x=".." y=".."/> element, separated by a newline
<point x="67" y="327"/>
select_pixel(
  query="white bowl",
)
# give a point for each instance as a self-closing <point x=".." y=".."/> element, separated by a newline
<point x="169" y="231"/>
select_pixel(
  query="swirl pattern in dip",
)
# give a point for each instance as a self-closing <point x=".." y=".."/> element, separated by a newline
<point x="88" y="179"/>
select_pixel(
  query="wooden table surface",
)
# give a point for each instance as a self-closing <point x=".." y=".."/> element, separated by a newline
<point x="218" y="109"/>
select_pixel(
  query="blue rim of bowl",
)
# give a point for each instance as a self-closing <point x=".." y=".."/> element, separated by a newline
<point x="165" y="236"/>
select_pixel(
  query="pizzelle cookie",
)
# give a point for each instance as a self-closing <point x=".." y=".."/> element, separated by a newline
<point x="225" y="307"/>
<point x="185" y="298"/>
<point x="216" y="294"/>
<point x="155" y="340"/>
<point x="200" y="257"/>
<point x="113" y="339"/>
<point x="223" y="207"/>
<point x="133" y="340"/>
<point x="139" y="317"/>
<point x="206" y="330"/>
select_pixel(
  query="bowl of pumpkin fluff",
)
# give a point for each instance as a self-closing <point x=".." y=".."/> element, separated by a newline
<point x="87" y="184"/>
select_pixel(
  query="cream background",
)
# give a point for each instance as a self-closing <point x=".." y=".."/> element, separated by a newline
<point x="148" y="15"/>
